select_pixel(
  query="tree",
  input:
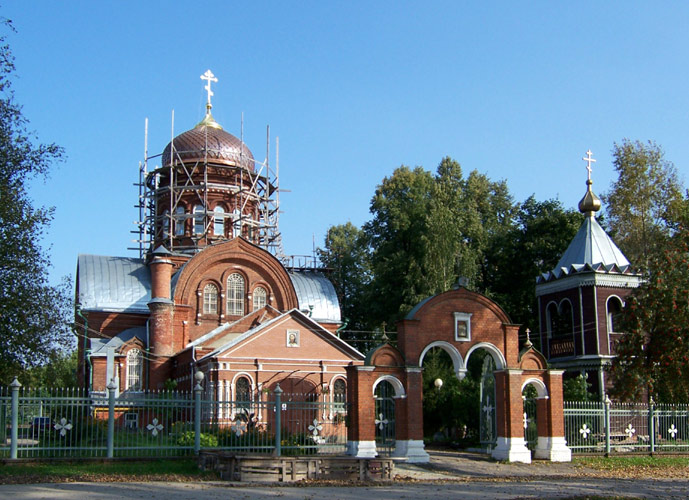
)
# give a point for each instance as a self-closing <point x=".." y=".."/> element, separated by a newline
<point x="345" y="255"/>
<point x="32" y="313"/>
<point x="653" y="354"/>
<point x="645" y="205"/>
<point x="533" y="245"/>
<point x="395" y="236"/>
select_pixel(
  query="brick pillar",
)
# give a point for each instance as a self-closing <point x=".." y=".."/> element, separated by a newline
<point x="409" y="418"/>
<point x="511" y="445"/>
<point x="361" y="431"/>
<point x="551" y="443"/>
<point x="160" y="324"/>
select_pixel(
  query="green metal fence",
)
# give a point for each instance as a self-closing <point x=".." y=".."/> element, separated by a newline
<point x="608" y="427"/>
<point x="39" y="423"/>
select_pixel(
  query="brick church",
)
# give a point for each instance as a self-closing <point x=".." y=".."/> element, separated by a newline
<point x="209" y="290"/>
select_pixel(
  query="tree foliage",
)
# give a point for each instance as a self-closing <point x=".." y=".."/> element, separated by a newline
<point x="429" y="230"/>
<point x="32" y="313"/>
<point x="645" y="205"/>
<point x="532" y="245"/>
<point x="653" y="353"/>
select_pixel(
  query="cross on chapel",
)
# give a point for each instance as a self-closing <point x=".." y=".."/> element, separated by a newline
<point x="588" y="159"/>
<point x="209" y="77"/>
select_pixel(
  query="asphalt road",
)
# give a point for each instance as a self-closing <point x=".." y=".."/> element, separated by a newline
<point x="449" y="475"/>
<point x="494" y="489"/>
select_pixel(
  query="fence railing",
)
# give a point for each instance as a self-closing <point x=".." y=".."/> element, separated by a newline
<point x="607" y="427"/>
<point x="39" y="423"/>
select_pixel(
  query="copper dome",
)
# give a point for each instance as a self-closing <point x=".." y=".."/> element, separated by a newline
<point x="222" y="147"/>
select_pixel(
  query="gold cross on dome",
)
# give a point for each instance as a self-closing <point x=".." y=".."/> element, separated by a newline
<point x="588" y="158"/>
<point x="209" y="77"/>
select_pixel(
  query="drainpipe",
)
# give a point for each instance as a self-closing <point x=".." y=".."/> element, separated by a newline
<point x="87" y="351"/>
<point x="344" y="325"/>
<point x="148" y="354"/>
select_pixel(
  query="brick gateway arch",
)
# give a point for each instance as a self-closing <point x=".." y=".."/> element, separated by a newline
<point x="460" y="322"/>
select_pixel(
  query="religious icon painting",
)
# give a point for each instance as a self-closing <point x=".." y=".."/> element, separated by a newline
<point x="292" y="337"/>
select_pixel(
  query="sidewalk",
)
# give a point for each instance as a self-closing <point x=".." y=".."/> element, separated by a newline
<point x="465" y="466"/>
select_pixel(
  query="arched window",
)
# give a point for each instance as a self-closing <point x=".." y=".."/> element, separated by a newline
<point x="551" y="318"/>
<point x="614" y="311"/>
<point x="566" y="318"/>
<point x="199" y="220"/>
<point x="235" y="295"/>
<point x="180" y="219"/>
<point x="134" y="369"/>
<point x="210" y="299"/>
<point x="260" y="297"/>
<point x="339" y="392"/>
<point x="237" y="223"/>
<point x="219" y="221"/>
<point x="166" y="223"/>
<point x="242" y="393"/>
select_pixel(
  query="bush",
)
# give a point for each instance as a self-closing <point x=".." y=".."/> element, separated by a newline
<point x="207" y="440"/>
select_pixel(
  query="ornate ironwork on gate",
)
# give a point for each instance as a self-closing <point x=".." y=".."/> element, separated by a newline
<point x="385" y="418"/>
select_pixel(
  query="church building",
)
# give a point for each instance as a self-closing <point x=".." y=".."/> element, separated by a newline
<point x="210" y="290"/>
<point x="580" y="300"/>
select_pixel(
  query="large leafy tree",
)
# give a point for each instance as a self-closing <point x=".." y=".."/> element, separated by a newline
<point x="395" y="236"/>
<point x="645" y="205"/>
<point x="653" y="353"/>
<point x="533" y="245"/>
<point x="345" y="255"/>
<point x="32" y="312"/>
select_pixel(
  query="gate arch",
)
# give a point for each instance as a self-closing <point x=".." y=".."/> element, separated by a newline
<point x="460" y="322"/>
<point x="455" y="356"/>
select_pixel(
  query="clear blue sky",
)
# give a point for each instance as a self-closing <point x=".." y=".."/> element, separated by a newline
<point x="516" y="90"/>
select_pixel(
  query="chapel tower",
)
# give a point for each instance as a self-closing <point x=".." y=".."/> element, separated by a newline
<point x="579" y="301"/>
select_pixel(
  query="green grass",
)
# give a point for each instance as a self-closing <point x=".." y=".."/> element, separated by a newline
<point x="103" y="471"/>
<point x="615" y="463"/>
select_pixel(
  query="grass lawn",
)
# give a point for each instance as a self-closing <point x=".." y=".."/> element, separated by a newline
<point x="154" y="470"/>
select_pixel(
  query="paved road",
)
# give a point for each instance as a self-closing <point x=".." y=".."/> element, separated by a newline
<point x="449" y="475"/>
<point x="502" y="490"/>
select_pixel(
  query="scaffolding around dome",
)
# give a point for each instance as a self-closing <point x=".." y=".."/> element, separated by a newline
<point x="208" y="188"/>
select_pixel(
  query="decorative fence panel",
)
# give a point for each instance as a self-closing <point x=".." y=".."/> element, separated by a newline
<point x="70" y="423"/>
<point x="608" y="427"/>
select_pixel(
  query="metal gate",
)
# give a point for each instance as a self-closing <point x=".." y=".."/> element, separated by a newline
<point x="487" y="422"/>
<point x="385" y="418"/>
<point x="530" y="424"/>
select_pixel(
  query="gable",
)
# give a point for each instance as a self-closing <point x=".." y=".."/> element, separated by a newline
<point x="291" y="336"/>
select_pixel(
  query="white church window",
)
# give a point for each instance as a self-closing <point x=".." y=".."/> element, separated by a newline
<point x="235" y="295"/>
<point x="199" y="219"/>
<point x="260" y="296"/>
<point x="210" y="299"/>
<point x="166" y="223"/>
<point x="237" y="225"/>
<point x="219" y="221"/>
<point x="179" y="221"/>
<point x="134" y="369"/>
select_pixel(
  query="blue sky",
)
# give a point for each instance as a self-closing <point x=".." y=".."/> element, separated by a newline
<point x="516" y="90"/>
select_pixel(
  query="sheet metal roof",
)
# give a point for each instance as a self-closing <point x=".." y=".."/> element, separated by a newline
<point x="314" y="289"/>
<point x="590" y="250"/>
<point x="117" y="284"/>
<point x="99" y="347"/>
<point x="122" y="284"/>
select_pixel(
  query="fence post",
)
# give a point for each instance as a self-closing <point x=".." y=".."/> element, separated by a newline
<point x="197" y="411"/>
<point x="652" y="425"/>
<point x="607" y="426"/>
<point x="278" y="417"/>
<point x="14" y="434"/>
<point x="111" y="418"/>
